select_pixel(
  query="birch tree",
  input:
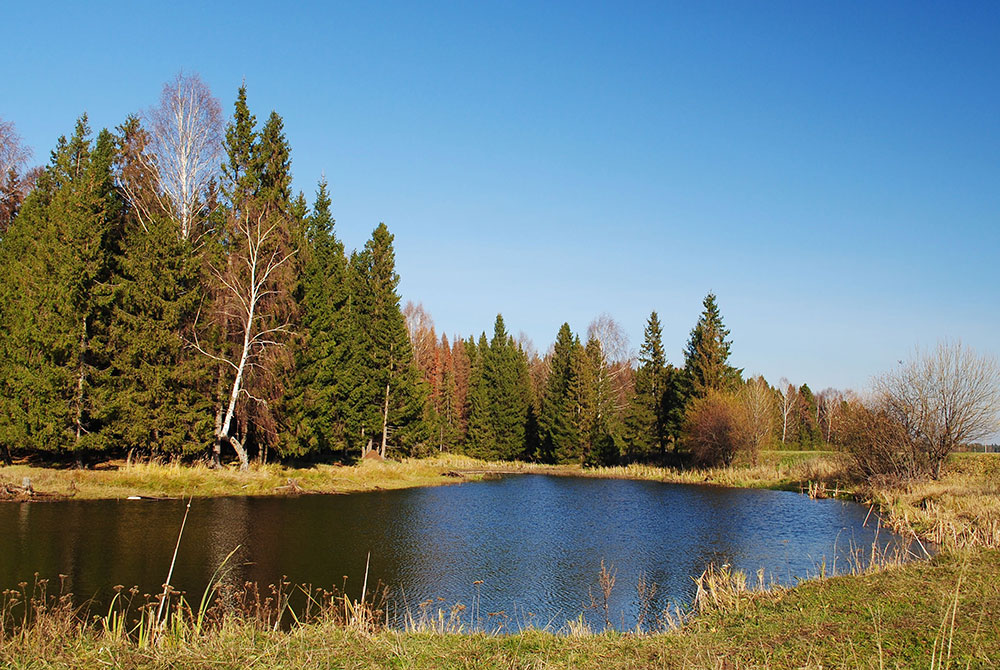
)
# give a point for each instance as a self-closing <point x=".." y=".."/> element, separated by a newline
<point x="758" y="406"/>
<point x="616" y="358"/>
<point x="789" y="403"/>
<point x="252" y="286"/>
<point x="185" y="148"/>
<point x="13" y="156"/>
<point x="828" y="404"/>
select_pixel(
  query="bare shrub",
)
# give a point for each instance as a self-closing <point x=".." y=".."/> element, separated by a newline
<point x="758" y="406"/>
<point x="877" y="442"/>
<point x="921" y="412"/>
<point x="715" y="428"/>
<point x="942" y="399"/>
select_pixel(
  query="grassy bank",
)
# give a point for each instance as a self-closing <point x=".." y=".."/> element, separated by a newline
<point x="118" y="479"/>
<point x="115" y="479"/>
<point x="962" y="509"/>
<point x="933" y="614"/>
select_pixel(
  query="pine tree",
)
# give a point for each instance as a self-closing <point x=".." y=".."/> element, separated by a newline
<point x="706" y="357"/>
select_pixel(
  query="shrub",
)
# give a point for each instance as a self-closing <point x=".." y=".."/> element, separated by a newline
<point x="715" y="428"/>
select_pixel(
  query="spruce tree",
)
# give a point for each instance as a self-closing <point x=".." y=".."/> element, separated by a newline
<point x="646" y="422"/>
<point x="241" y="170"/>
<point x="808" y="432"/>
<point x="255" y="273"/>
<point x="57" y="299"/>
<point x="559" y="422"/>
<point x="604" y="443"/>
<point x="706" y="357"/>
<point x="160" y="399"/>
<point x="314" y="401"/>
<point x="502" y="394"/>
<point x="273" y="160"/>
<point x="387" y="396"/>
<point x="481" y="441"/>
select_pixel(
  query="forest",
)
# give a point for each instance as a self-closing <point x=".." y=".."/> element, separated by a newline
<point x="166" y="295"/>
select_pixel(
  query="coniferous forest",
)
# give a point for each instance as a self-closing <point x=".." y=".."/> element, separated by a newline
<point x="165" y="294"/>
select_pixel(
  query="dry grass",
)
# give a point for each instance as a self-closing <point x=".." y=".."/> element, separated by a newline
<point x="960" y="510"/>
<point x="121" y="480"/>
<point x="935" y="614"/>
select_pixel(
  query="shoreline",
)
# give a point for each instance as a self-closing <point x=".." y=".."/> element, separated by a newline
<point x="900" y="614"/>
<point x="119" y="480"/>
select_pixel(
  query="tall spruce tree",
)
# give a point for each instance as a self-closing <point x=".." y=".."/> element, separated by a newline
<point x="604" y="444"/>
<point x="645" y="423"/>
<point x="59" y="267"/>
<point x="273" y="160"/>
<point x="386" y="399"/>
<point x="808" y="432"/>
<point x="159" y="397"/>
<point x="501" y="398"/>
<point x="481" y="436"/>
<point x="706" y="357"/>
<point x="241" y="171"/>
<point x="560" y="424"/>
<point x="160" y="401"/>
<point x="314" y="402"/>
<point x="255" y="277"/>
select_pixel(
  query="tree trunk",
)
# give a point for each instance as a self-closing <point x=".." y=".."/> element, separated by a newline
<point x="219" y="414"/>
<point x="385" y="420"/>
<point x="7" y="460"/>
<point x="235" y="394"/>
<point x="79" y="385"/>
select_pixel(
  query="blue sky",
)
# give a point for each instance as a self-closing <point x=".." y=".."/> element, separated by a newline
<point x="830" y="171"/>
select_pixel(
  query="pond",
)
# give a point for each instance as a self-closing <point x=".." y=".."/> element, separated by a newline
<point x="535" y="543"/>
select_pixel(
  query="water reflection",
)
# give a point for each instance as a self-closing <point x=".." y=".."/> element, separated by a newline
<point x="535" y="542"/>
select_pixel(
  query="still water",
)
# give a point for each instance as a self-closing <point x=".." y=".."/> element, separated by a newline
<point x="536" y="542"/>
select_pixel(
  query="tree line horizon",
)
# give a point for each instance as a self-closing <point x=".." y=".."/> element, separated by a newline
<point x="165" y="294"/>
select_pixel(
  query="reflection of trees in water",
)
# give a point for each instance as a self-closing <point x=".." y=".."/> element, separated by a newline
<point x="224" y="526"/>
<point x="535" y="542"/>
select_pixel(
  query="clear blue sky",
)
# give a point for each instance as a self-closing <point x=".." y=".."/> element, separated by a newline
<point x="830" y="171"/>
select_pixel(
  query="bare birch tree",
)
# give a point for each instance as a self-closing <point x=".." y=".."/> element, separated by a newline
<point x="185" y="142"/>
<point x="757" y="401"/>
<point x="423" y="339"/>
<point x="828" y="409"/>
<point x="13" y="153"/>
<point x="617" y="357"/>
<point x="789" y="402"/>
<point x="13" y="156"/>
<point x="251" y="286"/>
<point x="943" y="399"/>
